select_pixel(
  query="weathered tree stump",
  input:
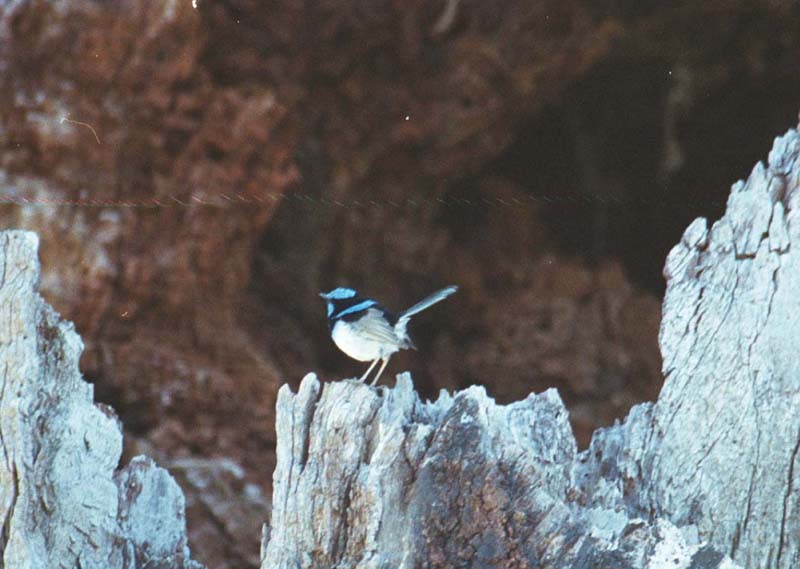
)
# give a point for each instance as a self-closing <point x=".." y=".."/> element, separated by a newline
<point x="63" y="503"/>
<point x="704" y="477"/>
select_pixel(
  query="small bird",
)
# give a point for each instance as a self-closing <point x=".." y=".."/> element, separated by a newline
<point x="366" y="331"/>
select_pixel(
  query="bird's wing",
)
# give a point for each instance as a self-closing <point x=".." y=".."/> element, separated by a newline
<point x="374" y="326"/>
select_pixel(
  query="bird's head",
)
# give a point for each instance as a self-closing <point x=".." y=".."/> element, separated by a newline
<point x="338" y="296"/>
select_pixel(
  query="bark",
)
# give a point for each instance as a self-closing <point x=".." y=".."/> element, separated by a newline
<point x="704" y="477"/>
<point x="63" y="503"/>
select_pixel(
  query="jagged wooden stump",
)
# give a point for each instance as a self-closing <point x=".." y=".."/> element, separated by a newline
<point x="63" y="503"/>
<point x="706" y="477"/>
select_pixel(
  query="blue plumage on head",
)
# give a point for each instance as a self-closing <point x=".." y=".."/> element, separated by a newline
<point x="340" y="293"/>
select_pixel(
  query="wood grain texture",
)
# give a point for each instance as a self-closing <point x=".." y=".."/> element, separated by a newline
<point x="63" y="501"/>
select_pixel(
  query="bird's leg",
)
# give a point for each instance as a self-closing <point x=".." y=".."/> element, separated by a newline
<point x="369" y="369"/>
<point x="380" y="371"/>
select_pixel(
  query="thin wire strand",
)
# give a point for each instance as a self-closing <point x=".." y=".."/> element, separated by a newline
<point x="270" y="198"/>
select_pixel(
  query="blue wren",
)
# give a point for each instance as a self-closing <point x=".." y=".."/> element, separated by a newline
<point x="366" y="331"/>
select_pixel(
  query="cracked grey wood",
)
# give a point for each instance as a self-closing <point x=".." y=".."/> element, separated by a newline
<point x="734" y="372"/>
<point x="62" y="501"/>
<point x="705" y="477"/>
<point x="377" y="479"/>
<point x="719" y="447"/>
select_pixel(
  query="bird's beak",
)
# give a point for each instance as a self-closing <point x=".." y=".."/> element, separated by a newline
<point x="323" y="294"/>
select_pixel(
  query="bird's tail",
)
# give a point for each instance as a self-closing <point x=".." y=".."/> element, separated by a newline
<point x="428" y="301"/>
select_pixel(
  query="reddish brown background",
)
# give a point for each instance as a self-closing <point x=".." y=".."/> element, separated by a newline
<point x="197" y="175"/>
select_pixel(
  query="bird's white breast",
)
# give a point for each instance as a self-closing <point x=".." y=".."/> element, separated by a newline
<point x="357" y="345"/>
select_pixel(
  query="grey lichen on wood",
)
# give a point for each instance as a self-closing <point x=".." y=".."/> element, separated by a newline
<point x="705" y="477"/>
<point x="63" y="503"/>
